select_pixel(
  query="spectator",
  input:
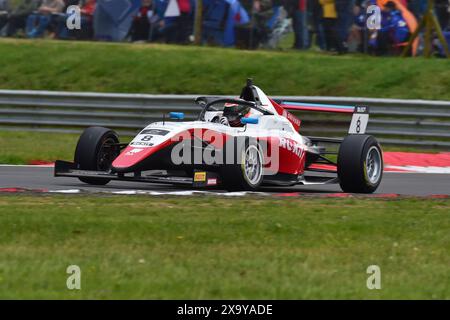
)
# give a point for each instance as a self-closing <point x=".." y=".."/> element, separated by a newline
<point x="140" y="28"/>
<point x="358" y="29"/>
<point x="38" y="21"/>
<point x="316" y="15"/>
<point x="279" y="25"/>
<point x="4" y="12"/>
<point x="178" y="26"/>
<point x="185" y="22"/>
<point x="214" y="19"/>
<point x="438" y="47"/>
<point x="157" y="20"/>
<point x="329" y="21"/>
<point x="394" y="30"/>
<point x="297" y="10"/>
<point x="87" y="14"/>
<point x="227" y="22"/>
<point x="252" y="34"/>
<point x="60" y="19"/>
<point x="359" y="33"/>
<point x="417" y="7"/>
<point x="442" y="8"/>
<point x="344" y="10"/>
<point x="18" y="16"/>
<point x="149" y="23"/>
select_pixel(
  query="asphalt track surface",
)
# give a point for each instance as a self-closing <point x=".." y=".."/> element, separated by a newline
<point x="41" y="178"/>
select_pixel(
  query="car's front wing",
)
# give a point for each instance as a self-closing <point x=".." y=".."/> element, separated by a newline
<point x="200" y="179"/>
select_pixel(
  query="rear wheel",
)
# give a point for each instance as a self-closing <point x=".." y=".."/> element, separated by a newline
<point x="96" y="151"/>
<point x="360" y="164"/>
<point x="246" y="170"/>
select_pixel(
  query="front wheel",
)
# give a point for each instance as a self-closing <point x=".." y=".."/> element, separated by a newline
<point x="96" y="150"/>
<point x="360" y="164"/>
<point x="246" y="171"/>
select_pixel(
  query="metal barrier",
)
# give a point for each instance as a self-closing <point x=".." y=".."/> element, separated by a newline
<point x="393" y="121"/>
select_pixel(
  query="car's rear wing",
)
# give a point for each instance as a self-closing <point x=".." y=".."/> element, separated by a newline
<point x="360" y="117"/>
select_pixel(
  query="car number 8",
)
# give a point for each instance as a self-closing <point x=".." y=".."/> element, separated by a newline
<point x="147" y="138"/>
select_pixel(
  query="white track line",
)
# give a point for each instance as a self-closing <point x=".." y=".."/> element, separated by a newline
<point x="417" y="169"/>
<point x="65" y="191"/>
<point x="165" y="193"/>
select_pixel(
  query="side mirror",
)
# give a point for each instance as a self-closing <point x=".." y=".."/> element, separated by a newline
<point x="249" y="120"/>
<point x="176" y="115"/>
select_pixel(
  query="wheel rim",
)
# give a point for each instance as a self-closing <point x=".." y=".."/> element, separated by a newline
<point x="253" y="165"/>
<point x="373" y="165"/>
<point x="106" y="155"/>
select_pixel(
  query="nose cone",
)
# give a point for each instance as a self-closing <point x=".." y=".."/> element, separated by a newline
<point x="131" y="157"/>
<point x="140" y="154"/>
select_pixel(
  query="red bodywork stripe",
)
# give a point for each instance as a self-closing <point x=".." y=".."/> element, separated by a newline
<point x="321" y="166"/>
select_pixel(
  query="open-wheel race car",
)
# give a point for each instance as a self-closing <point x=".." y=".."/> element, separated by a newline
<point x="236" y="143"/>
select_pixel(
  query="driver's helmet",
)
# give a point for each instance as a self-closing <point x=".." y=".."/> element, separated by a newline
<point x="233" y="113"/>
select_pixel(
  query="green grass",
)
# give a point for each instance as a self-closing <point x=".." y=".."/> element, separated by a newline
<point x="214" y="248"/>
<point x="112" y="67"/>
<point x="18" y="147"/>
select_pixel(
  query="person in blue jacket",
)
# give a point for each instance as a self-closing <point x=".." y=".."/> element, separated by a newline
<point x="394" y="30"/>
<point x="215" y="14"/>
<point x="157" y="22"/>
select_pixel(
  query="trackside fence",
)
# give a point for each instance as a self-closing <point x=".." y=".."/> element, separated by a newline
<point x="422" y="123"/>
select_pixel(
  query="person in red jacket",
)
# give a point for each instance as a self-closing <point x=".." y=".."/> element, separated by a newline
<point x="298" y="11"/>
<point x="89" y="8"/>
<point x="301" y="25"/>
<point x="140" y="28"/>
<point x="181" y="26"/>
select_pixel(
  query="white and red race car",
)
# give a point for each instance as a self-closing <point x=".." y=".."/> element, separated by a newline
<point x="237" y="143"/>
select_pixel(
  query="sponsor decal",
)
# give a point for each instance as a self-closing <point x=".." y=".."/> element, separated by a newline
<point x="143" y="140"/>
<point x="199" y="176"/>
<point x="211" y="182"/>
<point x="361" y="109"/>
<point x="141" y="144"/>
<point x="292" y="146"/>
<point x="156" y="132"/>
<point x="133" y="152"/>
<point x="291" y="118"/>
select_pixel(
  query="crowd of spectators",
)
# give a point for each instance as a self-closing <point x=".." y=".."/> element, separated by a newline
<point x="330" y="25"/>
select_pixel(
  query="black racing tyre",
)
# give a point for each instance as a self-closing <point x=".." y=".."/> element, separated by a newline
<point x="360" y="164"/>
<point x="244" y="168"/>
<point x="94" y="152"/>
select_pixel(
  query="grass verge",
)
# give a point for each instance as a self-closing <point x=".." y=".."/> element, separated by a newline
<point x="20" y="147"/>
<point x="112" y="67"/>
<point x="209" y="247"/>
